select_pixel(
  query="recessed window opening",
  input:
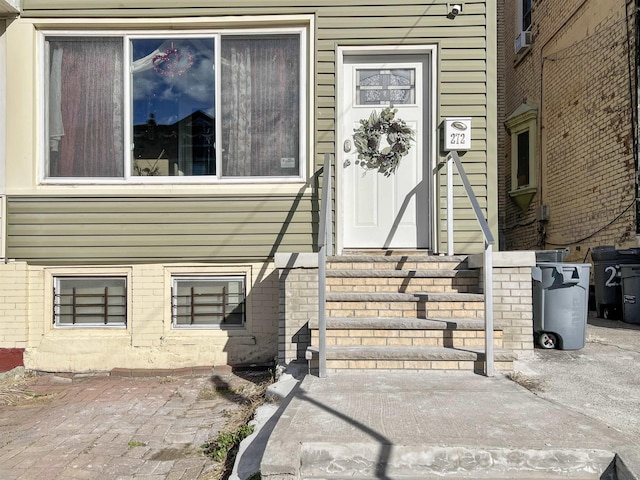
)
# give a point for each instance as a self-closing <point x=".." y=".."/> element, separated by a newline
<point x="208" y="301"/>
<point x="523" y="158"/>
<point x="90" y="301"/>
<point x="526" y="15"/>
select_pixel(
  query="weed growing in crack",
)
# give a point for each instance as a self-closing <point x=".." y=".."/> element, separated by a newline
<point x="219" y="448"/>
<point x="136" y="443"/>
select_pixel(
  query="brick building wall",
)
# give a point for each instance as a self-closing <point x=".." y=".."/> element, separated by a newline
<point x="579" y="73"/>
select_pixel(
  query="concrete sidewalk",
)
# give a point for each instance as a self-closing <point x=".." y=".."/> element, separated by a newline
<point x="583" y="419"/>
<point x="432" y="425"/>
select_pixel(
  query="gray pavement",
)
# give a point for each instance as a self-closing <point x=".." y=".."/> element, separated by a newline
<point x="389" y="425"/>
<point x="583" y="410"/>
<point x="116" y="427"/>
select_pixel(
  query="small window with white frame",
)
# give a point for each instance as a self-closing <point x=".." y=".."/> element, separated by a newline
<point x="179" y="107"/>
<point x="521" y="125"/>
<point x="208" y="301"/>
<point x="524" y="15"/>
<point x="523" y="38"/>
<point x="90" y="302"/>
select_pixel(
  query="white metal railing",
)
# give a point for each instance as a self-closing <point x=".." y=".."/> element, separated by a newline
<point x="325" y="248"/>
<point x="452" y="159"/>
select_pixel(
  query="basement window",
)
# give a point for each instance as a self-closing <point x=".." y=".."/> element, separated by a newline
<point x="208" y="301"/>
<point x="90" y="302"/>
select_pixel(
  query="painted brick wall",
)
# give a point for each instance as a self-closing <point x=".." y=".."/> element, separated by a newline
<point x="14" y="306"/>
<point x="577" y="74"/>
<point x="149" y="340"/>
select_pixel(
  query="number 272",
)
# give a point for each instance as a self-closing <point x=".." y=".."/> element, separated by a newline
<point x="457" y="138"/>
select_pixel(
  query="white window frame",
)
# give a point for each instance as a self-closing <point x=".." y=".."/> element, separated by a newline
<point x="520" y="18"/>
<point x="56" y="278"/>
<point x="175" y="278"/>
<point x="305" y="107"/>
<point x="524" y="119"/>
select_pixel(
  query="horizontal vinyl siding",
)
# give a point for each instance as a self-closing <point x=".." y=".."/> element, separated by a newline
<point x="462" y="73"/>
<point x="157" y="229"/>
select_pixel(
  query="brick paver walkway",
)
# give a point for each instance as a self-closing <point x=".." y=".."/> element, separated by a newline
<point x="114" y="427"/>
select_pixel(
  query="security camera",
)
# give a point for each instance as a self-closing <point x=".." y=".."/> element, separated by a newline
<point x="456" y="9"/>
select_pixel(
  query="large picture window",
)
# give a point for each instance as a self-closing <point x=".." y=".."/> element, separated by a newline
<point x="177" y="106"/>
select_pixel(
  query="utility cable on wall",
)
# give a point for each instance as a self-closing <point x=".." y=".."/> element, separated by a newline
<point x="597" y="231"/>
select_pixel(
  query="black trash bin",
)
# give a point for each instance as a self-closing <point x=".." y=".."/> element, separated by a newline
<point x="630" y="275"/>
<point x="607" y="278"/>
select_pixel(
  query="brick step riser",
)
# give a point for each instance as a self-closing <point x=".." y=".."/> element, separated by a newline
<point x="467" y="365"/>
<point x="400" y="285"/>
<point x="406" y="309"/>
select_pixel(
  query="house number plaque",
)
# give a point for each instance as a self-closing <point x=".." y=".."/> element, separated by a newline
<point x="457" y="133"/>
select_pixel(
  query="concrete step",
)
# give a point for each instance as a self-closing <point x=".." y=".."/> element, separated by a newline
<point x="397" y="262"/>
<point x="407" y="462"/>
<point x="381" y="323"/>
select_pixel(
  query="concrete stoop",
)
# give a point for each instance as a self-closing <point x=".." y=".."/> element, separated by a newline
<point x="369" y="461"/>
<point x="404" y="312"/>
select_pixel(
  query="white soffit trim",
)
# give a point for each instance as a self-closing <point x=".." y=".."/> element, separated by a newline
<point x="10" y="6"/>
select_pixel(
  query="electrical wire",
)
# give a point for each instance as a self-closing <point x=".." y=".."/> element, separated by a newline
<point x="517" y="225"/>
<point x="596" y="232"/>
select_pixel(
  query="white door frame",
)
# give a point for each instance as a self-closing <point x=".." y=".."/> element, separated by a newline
<point x="430" y="129"/>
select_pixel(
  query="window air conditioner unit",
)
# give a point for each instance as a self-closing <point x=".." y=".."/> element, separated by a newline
<point x="523" y="41"/>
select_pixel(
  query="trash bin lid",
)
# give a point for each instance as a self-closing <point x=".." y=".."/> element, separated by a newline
<point x="557" y="255"/>
<point x="605" y="252"/>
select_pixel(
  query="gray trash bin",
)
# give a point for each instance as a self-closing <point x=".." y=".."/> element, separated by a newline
<point x="630" y="293"/>
<point x="560" y="304"/>
<point x="606" y="277"/>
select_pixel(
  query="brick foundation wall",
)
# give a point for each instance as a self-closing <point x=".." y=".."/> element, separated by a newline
<point x="298" y="304"/>
<point x="512" y="298"/>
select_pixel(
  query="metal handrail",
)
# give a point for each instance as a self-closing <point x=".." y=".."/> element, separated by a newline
<point x="452" y="159"/>
<point x="324" y="248"/>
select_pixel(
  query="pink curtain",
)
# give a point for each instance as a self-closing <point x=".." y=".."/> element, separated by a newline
<point x="86" y="98"/>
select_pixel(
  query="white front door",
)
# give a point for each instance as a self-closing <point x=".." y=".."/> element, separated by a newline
<point x="379" y="211"/>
